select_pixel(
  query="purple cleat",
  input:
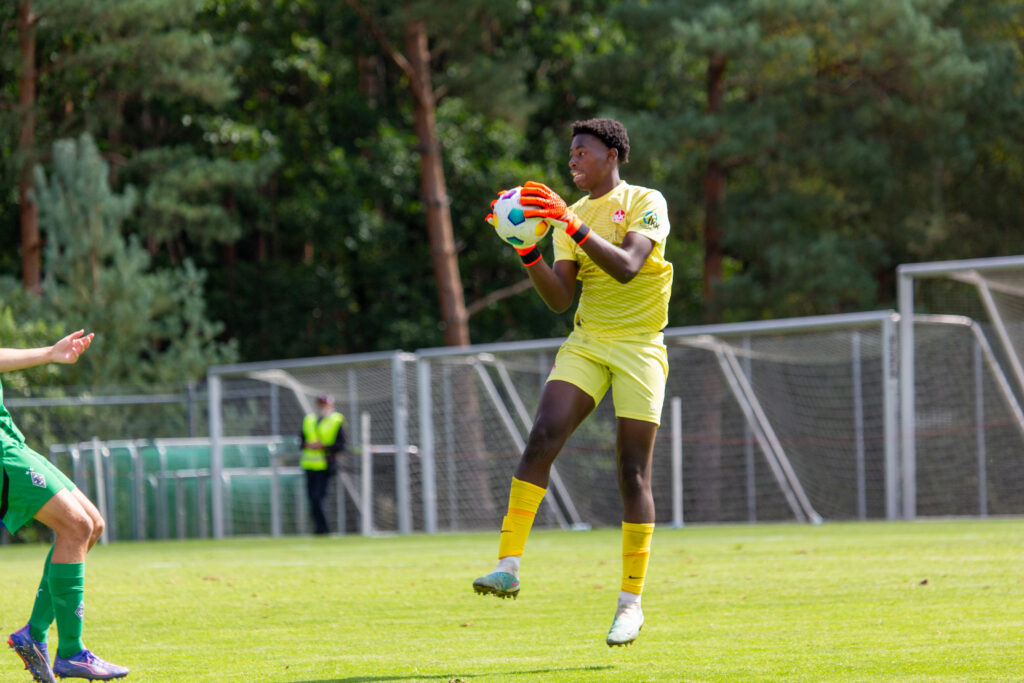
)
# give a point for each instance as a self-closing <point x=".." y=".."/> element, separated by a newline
<point x="87" y="665"/>
<point x="33" y="653"/>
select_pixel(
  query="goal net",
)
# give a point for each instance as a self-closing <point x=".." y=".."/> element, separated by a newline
<point x="961" y="384"/>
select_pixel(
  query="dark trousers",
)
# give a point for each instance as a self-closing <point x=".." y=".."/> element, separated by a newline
<point x="316" y="488"/>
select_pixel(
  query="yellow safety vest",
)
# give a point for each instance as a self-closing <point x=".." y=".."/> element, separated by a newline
<point x="325" y="431"/>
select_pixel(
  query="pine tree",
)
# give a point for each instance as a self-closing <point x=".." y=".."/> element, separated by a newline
<point x="150" y="323"/>
<point x="132" y="73"/>
<point x="811" y="134"/>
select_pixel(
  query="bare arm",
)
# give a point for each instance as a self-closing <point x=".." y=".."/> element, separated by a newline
<point x="622" y="263"/>
<point x="556" y="286"/>
<point x="67" y="350"/>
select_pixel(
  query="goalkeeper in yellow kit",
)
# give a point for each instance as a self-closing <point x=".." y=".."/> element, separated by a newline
<point x="613" y="242"/>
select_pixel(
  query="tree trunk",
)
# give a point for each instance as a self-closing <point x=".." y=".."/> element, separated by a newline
<point x="714" y="198"/>
<point x="31" y="248"/>
<point x="415" y="63"/>
<point x="435" y="193"/>
<point x="446" y="265"/>
<point x="708" y="472"/>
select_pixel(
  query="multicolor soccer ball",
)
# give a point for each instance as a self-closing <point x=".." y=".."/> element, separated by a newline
<point x="512" y="226"/>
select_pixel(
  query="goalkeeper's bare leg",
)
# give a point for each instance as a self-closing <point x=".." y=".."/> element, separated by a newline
<point x="634" y="450"/>
<point x="562" y="408"/>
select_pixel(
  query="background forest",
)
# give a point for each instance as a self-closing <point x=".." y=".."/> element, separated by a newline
<point x="208" y="181"/>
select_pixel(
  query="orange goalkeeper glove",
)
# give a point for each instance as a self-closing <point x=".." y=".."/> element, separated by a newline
<point x="529" y="255"/>
<point x="553" y="208"/>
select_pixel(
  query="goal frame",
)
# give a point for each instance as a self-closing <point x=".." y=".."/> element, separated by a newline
<point x="965" y="270"/>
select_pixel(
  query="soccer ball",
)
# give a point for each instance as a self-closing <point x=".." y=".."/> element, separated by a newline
<point x="513" y="226"/>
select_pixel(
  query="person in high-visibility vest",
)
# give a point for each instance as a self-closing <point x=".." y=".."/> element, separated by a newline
<point x="323" y="437"/>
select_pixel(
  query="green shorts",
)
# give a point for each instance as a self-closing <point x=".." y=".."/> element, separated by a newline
<point x="636" y="370"/>
<point x="27" y="483"/>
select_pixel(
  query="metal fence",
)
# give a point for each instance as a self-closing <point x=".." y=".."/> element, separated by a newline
<point x="803" y="419"/>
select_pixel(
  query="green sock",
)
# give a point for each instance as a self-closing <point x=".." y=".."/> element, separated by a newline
<point x="67" y="587"/>
<point x="42" y="610"/>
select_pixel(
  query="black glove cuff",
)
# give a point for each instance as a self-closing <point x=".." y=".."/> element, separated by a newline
<point x="531" y="257"/>
<point x="581" y="235"/>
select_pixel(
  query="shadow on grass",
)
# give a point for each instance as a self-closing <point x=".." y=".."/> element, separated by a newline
<point x="455" y="677"/>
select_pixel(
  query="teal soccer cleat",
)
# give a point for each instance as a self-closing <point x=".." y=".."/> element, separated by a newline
<point x="626" y="626"/>
<point x="33" y="653"/>
<point x="501" y="584"/>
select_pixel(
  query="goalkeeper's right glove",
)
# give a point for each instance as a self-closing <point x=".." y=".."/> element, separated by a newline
<point x="529" y="255"/>
<point x="553" y="208"/>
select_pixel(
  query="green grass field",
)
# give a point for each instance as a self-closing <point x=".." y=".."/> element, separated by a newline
<point x="924" y="601"/>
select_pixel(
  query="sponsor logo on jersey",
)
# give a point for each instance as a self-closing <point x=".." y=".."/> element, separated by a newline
<point x="650" y="219"/>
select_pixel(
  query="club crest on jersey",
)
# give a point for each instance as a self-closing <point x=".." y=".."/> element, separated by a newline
<point x="37" y="479"/>
<point x="618" y="216"/>
<point x="650" y="219"/>
<point x="80" y="611"/>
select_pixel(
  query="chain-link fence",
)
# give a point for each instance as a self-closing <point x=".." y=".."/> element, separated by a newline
<point x="795" y="419"/>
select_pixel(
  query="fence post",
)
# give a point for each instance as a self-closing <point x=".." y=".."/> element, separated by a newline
<point x="890" y="405"/>
<point x="275" y="498"/>
<point x="400" y="412"/>
<point x="101" y="488"/>
<point x="213" y="388"/>
<point x="748" y="443"/>
<point x="677" y="462"/>
<point x="180" y="518"/>
<point x="426" y="445"/>
<point x="858" y="427"/>
<point x="138" y="491"/>
<point x="979" y="435"/>
<point x="366" y="472"/>
<point x="908" y="415"/>
<point x="201" y="509"/>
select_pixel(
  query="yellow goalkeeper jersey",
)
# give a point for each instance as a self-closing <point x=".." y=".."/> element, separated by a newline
<point x="607" y="307"/>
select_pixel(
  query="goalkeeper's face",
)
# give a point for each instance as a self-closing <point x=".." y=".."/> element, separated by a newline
<point x="591" y="162"/>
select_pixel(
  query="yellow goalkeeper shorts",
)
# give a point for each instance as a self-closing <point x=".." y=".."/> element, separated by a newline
<point x="636" y="370"/>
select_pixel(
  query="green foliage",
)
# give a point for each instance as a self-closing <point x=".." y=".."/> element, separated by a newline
<point x="151" y="324"/>
<point x="834" y="122"/>
<point x="273" y="145"/>
<point x="134" y="73"/>
<point x="27" y="334"/>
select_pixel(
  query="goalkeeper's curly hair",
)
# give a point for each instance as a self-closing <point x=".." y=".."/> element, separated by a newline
<point x="609" y="131"/>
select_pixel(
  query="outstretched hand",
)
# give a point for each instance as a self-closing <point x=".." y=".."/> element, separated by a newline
<point x="68" y="349"/>
<point x="529" y="255"/>
<point x="552" y="207"/>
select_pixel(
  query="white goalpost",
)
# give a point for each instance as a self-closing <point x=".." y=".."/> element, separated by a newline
<point x="985" y="299"/>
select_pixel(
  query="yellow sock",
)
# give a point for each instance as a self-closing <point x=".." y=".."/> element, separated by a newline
<point x="636" y="551"/>
<point x="523" y="501"/>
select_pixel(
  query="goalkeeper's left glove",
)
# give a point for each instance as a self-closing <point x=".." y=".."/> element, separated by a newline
<point x="529" y="255"/>
<point x="553" y="208"/>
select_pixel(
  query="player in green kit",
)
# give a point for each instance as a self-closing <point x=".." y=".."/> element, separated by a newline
<point x="32" y="488"/>
<point x="613" y="242"/>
